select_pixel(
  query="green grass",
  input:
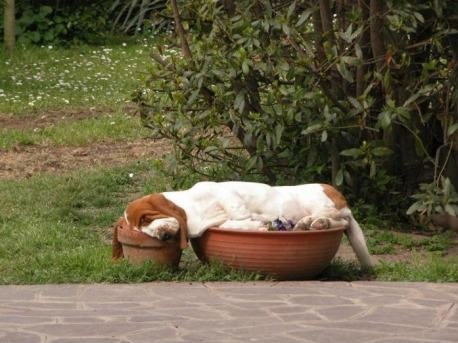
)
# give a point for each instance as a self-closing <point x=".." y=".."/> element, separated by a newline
<point x="38" y="78"/>
<point x="55" y="229"/>
<point x="422" y="267"/>
<point x="383" y="241"/>
<point x="430" y="267"/>
<point x="81" y="132"/>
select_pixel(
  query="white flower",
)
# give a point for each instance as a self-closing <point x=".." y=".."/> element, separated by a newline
<point x="49" y="46"/>
<point x="131" y="175"/>
<point x="124" y="44"/>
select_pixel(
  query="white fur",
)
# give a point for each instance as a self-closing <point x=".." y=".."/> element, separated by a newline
<point x="210" y="204"/>
<point x="247" y="205"/>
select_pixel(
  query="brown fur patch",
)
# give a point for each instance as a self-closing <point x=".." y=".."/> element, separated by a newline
<point x="117" y="252"/>
<point x="337" y="198"/>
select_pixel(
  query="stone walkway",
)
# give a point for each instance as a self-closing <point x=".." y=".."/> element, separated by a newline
<point x="276" y="312"/>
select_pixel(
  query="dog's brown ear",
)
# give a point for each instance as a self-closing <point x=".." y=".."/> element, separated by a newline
<point x="116" y="246"/>
<point x="182" y="221"/>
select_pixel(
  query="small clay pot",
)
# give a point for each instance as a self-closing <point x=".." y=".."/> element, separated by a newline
<point x="289" y="255"/>
<point x="139" y="247"/>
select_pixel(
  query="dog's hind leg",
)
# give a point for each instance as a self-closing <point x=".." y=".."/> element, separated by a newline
<point x="303" y="224"/>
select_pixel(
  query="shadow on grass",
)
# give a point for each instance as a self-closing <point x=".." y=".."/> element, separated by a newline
<point x="192" y="270"/>
<point x="340" y="270"/>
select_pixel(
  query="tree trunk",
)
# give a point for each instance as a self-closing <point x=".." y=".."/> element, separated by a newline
<point x="376" y="25"/>
<point x="9" y="27"/>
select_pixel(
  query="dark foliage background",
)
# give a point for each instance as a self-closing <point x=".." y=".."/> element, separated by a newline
<point x="64" y="22"/>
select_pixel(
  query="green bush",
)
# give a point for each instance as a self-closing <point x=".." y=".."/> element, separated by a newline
<point x="284" y="91"/>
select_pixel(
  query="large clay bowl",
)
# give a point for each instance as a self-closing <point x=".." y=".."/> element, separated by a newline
<point x="282" y="255"/>
<point x="139" y="247"/>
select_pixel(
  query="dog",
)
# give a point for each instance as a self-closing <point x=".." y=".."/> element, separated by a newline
<point x="242" y="205"/>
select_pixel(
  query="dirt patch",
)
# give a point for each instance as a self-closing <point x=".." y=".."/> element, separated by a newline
<point x="23" y="162"/>
<point x="51" y="117"/>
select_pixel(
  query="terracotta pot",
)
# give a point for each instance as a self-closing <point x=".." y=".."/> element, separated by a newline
<point x="282" y="255"/>
<point x="139" y="247"/>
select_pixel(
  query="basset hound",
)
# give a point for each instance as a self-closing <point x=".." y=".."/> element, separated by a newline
<point x="241" y="205"/>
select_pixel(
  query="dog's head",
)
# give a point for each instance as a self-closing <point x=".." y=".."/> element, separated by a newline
<point x="158" y="217"/>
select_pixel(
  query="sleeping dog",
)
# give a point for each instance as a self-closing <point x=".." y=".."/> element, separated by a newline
<point x="241" y="205"/>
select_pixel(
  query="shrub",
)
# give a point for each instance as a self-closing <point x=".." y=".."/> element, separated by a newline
<point x="360" y="95"/>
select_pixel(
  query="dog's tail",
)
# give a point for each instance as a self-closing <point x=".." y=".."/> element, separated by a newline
<point x="116" y="246"/>
<point x="358" y="242"/>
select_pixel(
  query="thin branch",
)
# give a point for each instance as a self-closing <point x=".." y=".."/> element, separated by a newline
<point x="155" y="56"/>
<point x="180" y="31"/>
<point x="444" y="165"/>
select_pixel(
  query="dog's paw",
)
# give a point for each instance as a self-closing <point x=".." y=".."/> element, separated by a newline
<point x="303" y="224"/>
<point x="321" y="223"/>
<point x="164" y="229"/>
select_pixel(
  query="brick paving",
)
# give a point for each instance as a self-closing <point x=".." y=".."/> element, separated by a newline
<point x="277" y="312"/>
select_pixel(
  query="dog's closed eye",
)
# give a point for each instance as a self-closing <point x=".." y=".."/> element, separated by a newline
<point x="145" y="220"/>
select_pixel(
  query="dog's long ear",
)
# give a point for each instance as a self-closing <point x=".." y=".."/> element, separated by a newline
<point x="162" y="205"/>
<point x="116" y="246"/>
<point x="182" y="221"/>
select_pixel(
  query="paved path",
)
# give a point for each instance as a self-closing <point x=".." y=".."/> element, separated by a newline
<point x="230" y="312"/>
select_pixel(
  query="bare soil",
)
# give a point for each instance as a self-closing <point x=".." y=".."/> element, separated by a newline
<point x="50" y="117"/>
<point x="25" y="161"/>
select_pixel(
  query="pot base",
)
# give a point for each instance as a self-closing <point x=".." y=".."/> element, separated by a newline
<point x="282" y="255"/>
<point x="138" y="247"/>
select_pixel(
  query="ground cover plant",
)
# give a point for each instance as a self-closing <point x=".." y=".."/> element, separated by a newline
<point x="56" y="217"/>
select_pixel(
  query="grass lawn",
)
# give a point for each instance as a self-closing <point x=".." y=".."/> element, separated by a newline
<point x="40" y="78"/>
<point x="55" y="227"/>
<point x="64" y="236"/>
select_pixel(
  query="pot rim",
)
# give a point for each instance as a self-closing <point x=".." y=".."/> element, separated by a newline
<point x="135" y="238"/>
<point x="262" y="233"/>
